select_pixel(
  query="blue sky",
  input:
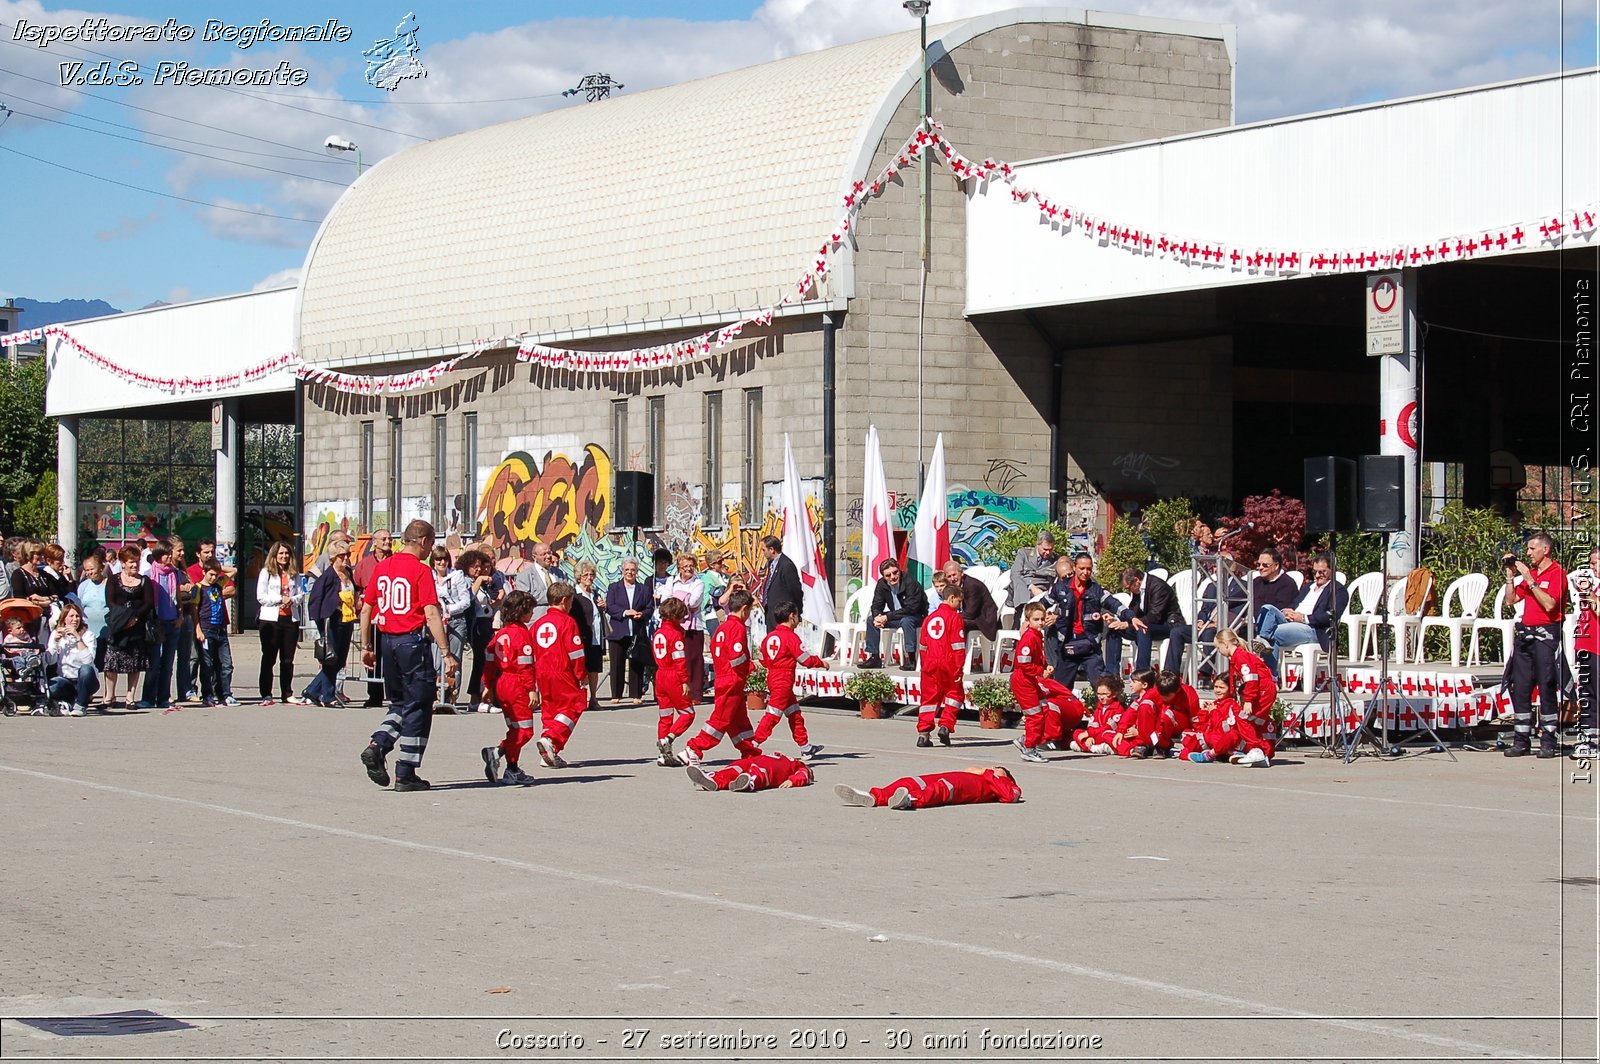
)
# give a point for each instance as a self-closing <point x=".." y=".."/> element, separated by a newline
<point x="70" y="235"/>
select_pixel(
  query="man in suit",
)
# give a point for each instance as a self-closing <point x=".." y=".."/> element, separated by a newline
<point x="896" y="603"/>
<point x="629" y="603"/>
<point x="978" y="611"/>
<point x="1033" y="571"/>
<point x="1312" y="620"/>
<point x="1076" y="617"/>
<point x="537" y="577"/>
<point x="782" y="581"/>
<point x="1152" y="614"/>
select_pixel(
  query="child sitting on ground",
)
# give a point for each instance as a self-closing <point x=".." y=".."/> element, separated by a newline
<point x="1049" y="709"/>
<point x="1102" y="727"/>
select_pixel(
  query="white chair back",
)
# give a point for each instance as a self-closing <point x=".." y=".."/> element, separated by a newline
<point x="1156" y="570"/>
<point x="1364" y="592"/>
<point x="857" y="605"/>
<point x="1468" y="594"/>
<point x="1298" y="577"/>
<point x="1397" y="597"/>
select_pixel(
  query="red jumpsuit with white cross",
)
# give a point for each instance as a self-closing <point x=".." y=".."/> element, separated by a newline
<point x="1252" y="686"/>
<point x="942" y="653"/>
<point x="1215" y="731"/>
<point x="953" y="788"/>
<point x="509" y="672"/>
<point x="1102" y="726"/>
<point x="563" y="679"/>
<point x="730" y="715"/>
<point x="1049" y="709"/>
<point x="766" y="771"/>
<point x="782" y="653"/>
<point x="672" y="681"/>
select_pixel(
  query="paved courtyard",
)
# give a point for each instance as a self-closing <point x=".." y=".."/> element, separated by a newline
<point x="234" y="870"/>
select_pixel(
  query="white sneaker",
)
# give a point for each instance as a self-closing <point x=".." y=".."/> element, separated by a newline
<point x="809" y="751"/>
<point x="484" y="707"/>
<point x="75" y="711"/>
<point x="547" y="750"/>
<point x="851" y="796"/>
<point x="742" y="782"/>
<point x="1256" y="757"/>
<point x="901" y="799"/>
<point x="1030" y="754"/>
<point x="491" y="763"/>
<point x="690" y="757"/>
<point x="698" y="777"/>
<point x="1101" y="748"/>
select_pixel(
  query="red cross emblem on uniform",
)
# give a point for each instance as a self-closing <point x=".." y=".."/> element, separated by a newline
<point x="546" y="635"/>
<point x="936" y="628"/>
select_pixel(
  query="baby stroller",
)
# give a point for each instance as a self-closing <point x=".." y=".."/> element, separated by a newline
<point x="23" y="680"/>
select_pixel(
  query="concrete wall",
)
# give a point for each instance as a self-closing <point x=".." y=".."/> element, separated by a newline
<point x="1017" y="92"/>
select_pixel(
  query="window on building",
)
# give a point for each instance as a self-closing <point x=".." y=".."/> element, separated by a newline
<point x="657" y="410"/>
<point x="752" y="458"/>
<point x="366" y="475"/>
<point x="469" y="471"/>
<point x="619" y="433"/>
<point x="1442" y="483"/>
<point x="441" y="474"/>
<point x="713" y="468"/>
<point x="395" y="474"/>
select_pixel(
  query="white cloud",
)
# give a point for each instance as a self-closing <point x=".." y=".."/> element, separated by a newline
<point x="286" y="276"/>
<point x="127" y="228"/>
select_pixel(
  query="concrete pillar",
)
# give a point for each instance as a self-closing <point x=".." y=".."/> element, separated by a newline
<point x="67" y="486"/>
<point x="228" y="483"/>
<point x="1400" y="426"/>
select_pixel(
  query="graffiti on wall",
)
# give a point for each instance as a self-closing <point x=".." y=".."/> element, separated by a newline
<point x="552" y="501"/>
<point x="978" y="517"/>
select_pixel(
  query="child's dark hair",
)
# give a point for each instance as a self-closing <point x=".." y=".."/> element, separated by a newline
<point x="211" y="565"/>
<point x="558" y="592"/>
<point x="673" y="609"/>
<point x="1110" y="683"/>
<point x="738" y="600"/>
<point x="517" y="608"/>
<point x="1168" y="682"/>
<point x="1145" y="676"/>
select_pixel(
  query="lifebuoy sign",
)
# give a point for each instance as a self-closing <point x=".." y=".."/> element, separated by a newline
<point x="1385" y="314"/>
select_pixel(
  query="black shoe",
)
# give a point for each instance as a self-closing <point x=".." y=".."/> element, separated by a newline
<point x="944" y="736"/>
<point x="910" y="665"/>
<point x="1521" y="746"/>
<point x="923" y="739"/>
<point x="377" y="771"/>
<point x="873" y="662"/>
<point x="411" y="783"/>
<point x="1548" y="747"/>
<point x="1139" y="752"/>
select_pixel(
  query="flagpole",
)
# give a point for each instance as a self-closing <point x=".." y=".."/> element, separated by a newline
<point x="919" y="10"/>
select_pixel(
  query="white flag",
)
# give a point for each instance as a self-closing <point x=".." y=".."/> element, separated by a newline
<point x="800" y="545"/>
<point x="877" y="520"/>
<point x="930" y="538"/>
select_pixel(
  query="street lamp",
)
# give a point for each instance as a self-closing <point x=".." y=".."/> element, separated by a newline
<point x="335" y="145"/>
<point x="918" y="10"/>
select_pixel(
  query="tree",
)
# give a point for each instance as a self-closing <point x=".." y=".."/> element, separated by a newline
<point x="27" y="436"/>
<point x="1124" y="550"/>
<point x="36" y="515"/>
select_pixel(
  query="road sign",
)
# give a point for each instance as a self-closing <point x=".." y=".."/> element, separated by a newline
<point x="1385" y="314"/>
<point x="216" y="424"/>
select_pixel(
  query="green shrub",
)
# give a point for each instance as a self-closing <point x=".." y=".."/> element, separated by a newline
<point x="870" y="686"/>
<point x="991" y="692"/>
<point x="1167" y="525"/>
<point x="1124" y="547"/>
<point x="36" y="515"/>
<point x="1003" y="551"/>
<point x="756" y="682"/>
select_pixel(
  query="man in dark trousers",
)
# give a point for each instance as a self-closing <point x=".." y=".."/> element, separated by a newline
<point x="782" y="581"/>
<point x="1536" y="647"/>
<point x="1152" y="614"/>
<point x="1076" y="606"/>
<point x="896" y="603"/>
<point x="402" y="604"/>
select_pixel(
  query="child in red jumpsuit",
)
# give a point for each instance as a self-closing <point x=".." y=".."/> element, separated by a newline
<point x="1253" y="687"/>
<point x="563" y="679"/>
<point x="1137" y="731"/>
<point x="509" y="673"/>
<point x="942" y="653"/>
<point x="671" y="654"/>
<point x="760" y="772"/>
<point x="962" y="787"/>
<point x="782" y="652"/>
<point x="1213" y="732"/>
<point x="1180" y="706"/>
<point x="730" y="656"/>
<point x="1049" y="709"/>
<point x="1096" y="734"/>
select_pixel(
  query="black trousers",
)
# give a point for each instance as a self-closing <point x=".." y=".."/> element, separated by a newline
<point x="1534" y="652"/>
<point x="410" y="680"/>
<point x="482" y="633"/>
<point x="625" y="662"/>
<point x="278" y="640"/>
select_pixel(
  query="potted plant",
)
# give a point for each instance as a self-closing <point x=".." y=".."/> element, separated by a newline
<point x="992" y="698"/>
<point x="872" y="689"/>
<point x="755" y="687"/>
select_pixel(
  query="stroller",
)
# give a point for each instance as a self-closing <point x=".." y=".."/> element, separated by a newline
<point x="24" y="680"/>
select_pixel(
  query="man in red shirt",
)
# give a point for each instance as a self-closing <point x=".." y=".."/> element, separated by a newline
<point x="1536" y="646"/>
<point x="401" y="602"/>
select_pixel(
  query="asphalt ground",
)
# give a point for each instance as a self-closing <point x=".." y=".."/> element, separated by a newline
<point x="232" y="874"/>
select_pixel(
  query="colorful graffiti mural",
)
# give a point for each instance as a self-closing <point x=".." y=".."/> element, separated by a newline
<point x="553" y="501"/>
<point x="977" y="518"/>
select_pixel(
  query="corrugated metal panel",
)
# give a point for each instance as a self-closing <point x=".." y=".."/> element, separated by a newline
<point x="697" y="197"/>
<point x="205" y="339"/>
<point x="1402" y="173"/>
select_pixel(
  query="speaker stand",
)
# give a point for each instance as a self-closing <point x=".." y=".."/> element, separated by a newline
<point x="1338" y="701"/>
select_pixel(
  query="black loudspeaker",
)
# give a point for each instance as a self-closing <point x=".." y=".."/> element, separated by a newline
<point x="1383" y="483"/>
<point x="635" y="500"/>
<point x="1330" y="495"/>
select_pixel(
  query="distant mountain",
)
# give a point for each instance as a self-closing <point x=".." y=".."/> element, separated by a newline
<point x="36" y="312"/>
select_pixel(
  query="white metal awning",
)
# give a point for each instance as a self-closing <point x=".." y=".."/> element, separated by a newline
<point x="1405" y="173"/>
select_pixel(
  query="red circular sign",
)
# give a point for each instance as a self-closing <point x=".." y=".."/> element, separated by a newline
<point x="1406" y="425"/>
<point x="1384" y="295"/>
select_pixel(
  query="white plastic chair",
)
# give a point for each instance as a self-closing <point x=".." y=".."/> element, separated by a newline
<point x="1003" y="638"/>
<point x="1362" y="611"/>
<point x="1299" y="578"/>
<point x="1466" y="595"/>
<point x="1156" y="570"/>
<point x="848" y="632"/>
<point x="1402" y="622"/>
<point x="1496" y="620"/>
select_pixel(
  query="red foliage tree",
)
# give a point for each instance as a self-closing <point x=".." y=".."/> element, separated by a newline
<point x="1279" y="520"/>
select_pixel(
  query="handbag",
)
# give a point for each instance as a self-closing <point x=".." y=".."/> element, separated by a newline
<point x="154" y="633"/>
<point x="320" y="651"/>
<point x="1080" y="647"/>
